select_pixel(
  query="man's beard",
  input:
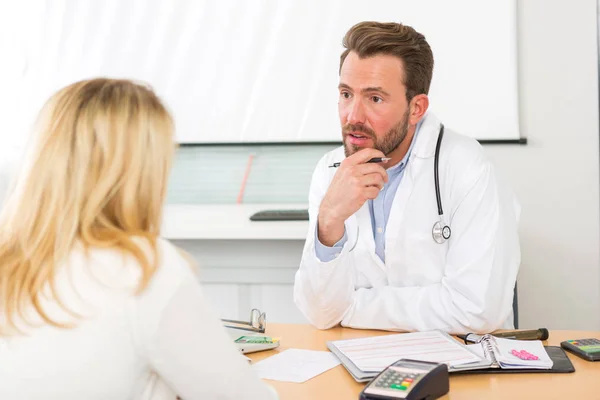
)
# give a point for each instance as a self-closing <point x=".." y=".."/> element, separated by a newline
<point x="390" y="141"/>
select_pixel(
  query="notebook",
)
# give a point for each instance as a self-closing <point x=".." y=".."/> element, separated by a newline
<point x="364" y="358"/>
<point x="560" y="365"/>
<point x="504" y="353"/>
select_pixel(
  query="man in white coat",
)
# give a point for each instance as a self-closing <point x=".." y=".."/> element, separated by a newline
<point x="371" y="259"/>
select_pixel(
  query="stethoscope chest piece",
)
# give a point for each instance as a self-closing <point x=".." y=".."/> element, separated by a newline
<point x="441" y="232"/>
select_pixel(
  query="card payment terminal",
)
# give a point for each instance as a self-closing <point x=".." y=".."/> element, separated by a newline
<point x="588" y="349"/>
<point x="409" y="380"/>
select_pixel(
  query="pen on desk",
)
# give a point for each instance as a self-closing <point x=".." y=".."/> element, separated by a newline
<point x="532" y="334"/>
<point x="526" y="334"/>
<point x="372" y="160"/>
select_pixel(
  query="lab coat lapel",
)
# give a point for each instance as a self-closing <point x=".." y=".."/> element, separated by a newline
<point x="365" y="233"/>
<point x="422" y="151"/>
<point x="399" y="207"/>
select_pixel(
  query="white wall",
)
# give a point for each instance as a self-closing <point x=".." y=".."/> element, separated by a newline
<point x="556" y="175"/>
<point x="259" y="56"/>
<point x="238" y="275"/>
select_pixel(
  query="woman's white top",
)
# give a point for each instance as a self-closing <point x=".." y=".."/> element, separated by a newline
<point x="164" y="342"/>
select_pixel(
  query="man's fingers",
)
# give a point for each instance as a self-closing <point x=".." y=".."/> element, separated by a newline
<point x="371" y="192"/>
<point x="374" y="180"/>
<point x="371" y="168"/>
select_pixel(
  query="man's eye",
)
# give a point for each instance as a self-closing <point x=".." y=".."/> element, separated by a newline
<point x="345" y="95"/>
<point x="376" y="99"/>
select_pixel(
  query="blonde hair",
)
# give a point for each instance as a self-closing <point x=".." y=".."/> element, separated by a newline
<point x="96" y="176"/>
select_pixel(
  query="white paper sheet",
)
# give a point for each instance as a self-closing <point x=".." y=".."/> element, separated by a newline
<point x="509" y="361"/>
<point x="295" y="365"/>
<point x="477" y="349"/>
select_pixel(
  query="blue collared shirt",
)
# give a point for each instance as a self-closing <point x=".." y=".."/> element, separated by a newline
<point x="379" y="208"/>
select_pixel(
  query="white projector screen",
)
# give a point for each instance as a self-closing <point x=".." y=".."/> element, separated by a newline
<point x="266" y="71"/>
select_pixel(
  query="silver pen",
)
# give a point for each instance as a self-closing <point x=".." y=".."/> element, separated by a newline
<point x="372" y="160"/>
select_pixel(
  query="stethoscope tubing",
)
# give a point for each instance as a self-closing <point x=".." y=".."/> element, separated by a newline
<point x="440" y="231"/>
<point x="436" y="174"/>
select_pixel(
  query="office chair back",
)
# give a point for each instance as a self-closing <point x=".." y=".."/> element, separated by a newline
<point x="515" y="308"/>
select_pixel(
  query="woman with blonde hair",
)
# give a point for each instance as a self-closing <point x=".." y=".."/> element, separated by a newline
<point x="93" y="304"/>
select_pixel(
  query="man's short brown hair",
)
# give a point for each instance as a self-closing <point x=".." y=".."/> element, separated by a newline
<point x="369" y="39"/>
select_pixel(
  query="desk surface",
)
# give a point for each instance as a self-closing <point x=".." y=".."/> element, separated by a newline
<point x="337" y="384"/>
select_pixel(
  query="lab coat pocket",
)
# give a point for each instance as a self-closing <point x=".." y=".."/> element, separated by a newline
<point x="369" y="270"/>
<point x="417" y="260"/>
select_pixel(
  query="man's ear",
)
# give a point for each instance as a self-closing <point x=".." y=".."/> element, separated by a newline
<point x="418" y="107"/>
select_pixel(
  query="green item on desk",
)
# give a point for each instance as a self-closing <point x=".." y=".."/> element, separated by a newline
<point x="255" y="339"/>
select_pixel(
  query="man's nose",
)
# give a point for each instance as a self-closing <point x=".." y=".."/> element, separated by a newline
<point x="357" y="113"/>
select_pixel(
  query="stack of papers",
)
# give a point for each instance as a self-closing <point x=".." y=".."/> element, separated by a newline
<point x="364" y="358"/>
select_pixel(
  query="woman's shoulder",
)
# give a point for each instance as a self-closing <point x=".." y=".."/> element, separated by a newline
<point x="116" y="268"/>
<point x="173" y="266"/>
<point x="174" y="260"/>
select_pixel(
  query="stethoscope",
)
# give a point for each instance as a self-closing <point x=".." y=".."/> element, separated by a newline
<point x="440" y="231"/>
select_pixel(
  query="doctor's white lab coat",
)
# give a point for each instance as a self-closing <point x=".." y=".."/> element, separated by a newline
<point x="463" y="285"/>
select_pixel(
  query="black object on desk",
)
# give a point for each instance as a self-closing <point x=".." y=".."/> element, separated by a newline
<point x="560" y="365"/>
<point x="280" y="215"/>
<point x="408" y="380"/>
<point x="517" y="334"/>
<point x="588" y="349"/>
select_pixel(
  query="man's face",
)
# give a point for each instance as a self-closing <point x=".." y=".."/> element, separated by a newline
<point x="372" y="105"/>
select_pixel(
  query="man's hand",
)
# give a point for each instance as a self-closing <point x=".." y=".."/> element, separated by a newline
<point x="355" y="182"/>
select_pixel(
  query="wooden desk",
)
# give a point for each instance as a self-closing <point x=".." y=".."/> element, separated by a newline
<point x="337" y="383"/>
